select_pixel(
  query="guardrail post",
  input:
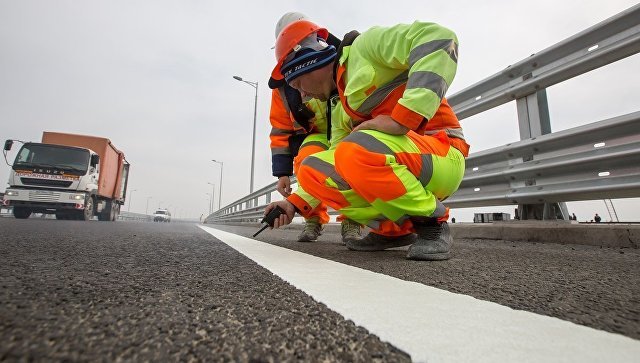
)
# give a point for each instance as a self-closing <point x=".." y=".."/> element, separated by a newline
<point x="534" y="121"/>
<point x="533" y="115"/>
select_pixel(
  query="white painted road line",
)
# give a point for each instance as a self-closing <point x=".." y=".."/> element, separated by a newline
<point x="431" y="324"/>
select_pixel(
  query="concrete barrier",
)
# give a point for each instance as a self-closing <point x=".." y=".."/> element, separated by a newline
<point x="605" y="235"/>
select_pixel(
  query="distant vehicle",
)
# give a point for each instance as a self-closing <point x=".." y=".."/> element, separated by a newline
<point x="162" y="215"/>
<point x="71" y="176"/>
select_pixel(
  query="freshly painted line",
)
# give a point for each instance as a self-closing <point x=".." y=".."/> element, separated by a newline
<point x="432" y="324"/>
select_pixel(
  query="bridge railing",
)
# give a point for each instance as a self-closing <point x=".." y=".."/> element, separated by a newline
<point x="604" y="43"/>
<point x="594" y="161"/>
<point x="128" y="216"/>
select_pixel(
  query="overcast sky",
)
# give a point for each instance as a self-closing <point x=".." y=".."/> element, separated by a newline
<point x="155" y="77"/>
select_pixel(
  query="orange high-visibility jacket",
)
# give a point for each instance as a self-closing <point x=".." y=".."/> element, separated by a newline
<point x="287" y="133"/>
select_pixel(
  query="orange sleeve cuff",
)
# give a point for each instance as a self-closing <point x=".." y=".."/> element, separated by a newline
<point x="301" y="206"/>
<point x="407" y="117"/>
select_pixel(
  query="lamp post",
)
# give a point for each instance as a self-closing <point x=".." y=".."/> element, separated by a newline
<point x="253" y="142"/>
<point x="146" y="209"/>
<point x="210" y="198"/>
<point x="130" y="197"/>
<point x="220" y="190"/>
<point x="213" y="193"/>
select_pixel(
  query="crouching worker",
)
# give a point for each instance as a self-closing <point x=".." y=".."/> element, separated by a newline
<point x="299" y="129"/>
<point x="397" y="149"/>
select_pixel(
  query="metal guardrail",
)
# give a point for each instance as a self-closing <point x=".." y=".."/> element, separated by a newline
<point x="609" y="41"/>
<point x="595" y="161"/>
<point x="246" y="209"/>
<point x="128" y="216"/>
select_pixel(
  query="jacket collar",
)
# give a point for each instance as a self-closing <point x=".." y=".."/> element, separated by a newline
<point x="348" y="39"/>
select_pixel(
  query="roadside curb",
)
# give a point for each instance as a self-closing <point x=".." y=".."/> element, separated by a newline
<point x="616" y="236"/>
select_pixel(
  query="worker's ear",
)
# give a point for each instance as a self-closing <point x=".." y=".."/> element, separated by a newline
<point x="95" y="159"/>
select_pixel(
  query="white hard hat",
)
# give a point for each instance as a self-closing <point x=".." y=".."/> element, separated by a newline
<point x="287" y="19"/>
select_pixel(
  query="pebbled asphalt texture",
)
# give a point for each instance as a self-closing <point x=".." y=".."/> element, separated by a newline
<point x="127" y="291"/>
<point x="591" y="286"/>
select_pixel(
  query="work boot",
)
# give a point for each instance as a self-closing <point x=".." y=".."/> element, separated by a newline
<point x="312" y="229"/>
<point x="351" y="231"/>
<point x="433" y="243"/>
<point x="378" y="242"/>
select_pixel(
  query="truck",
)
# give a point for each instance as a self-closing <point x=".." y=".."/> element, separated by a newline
<point x="72" y="176"/>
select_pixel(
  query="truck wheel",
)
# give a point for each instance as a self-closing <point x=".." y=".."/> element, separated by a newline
<point x="21" y="212"/>
<point x="105" y="214"/>
<point x="110" y="211"/>
<point x="87" y="213"/>
<point x="115" y="208"/>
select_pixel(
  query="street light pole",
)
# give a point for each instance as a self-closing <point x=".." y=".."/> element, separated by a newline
<point x="130" y="197"/>
<point x="146" y="210"/>
<point x="213" y="193"/>
<point x="220" y="190"/>
<point x="210" y="198"/>
<point x="255" y="112"/>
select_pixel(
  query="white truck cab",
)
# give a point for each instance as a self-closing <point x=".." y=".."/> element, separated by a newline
<point x="67" y="177"/>
<point x="52" y="177"/>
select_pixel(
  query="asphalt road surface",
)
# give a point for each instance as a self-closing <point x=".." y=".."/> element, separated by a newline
<point x="71" y="290"/>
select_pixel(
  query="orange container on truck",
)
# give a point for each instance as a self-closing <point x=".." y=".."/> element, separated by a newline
<point x="71" y="176"/>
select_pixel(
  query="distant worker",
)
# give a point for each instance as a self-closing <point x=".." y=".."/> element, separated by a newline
<point x="397" y="149"/>
<point x="597" y="218"/>
<point x="573" y="216"/>
<point x="299" y="129"/>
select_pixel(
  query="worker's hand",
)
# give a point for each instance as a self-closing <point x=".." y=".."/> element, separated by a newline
<point x="284" y="219"/>
<point x="284" y="186"/>
<point x="383" y="123"/>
